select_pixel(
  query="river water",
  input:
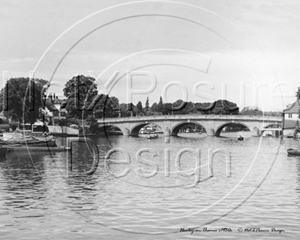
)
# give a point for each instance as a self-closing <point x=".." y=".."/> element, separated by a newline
<point x="162" y="191"/>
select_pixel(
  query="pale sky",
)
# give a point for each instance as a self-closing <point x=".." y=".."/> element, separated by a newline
<point x="225" y="44"/>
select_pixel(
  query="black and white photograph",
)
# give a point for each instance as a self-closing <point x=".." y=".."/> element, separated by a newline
<point x="149" y="119"/>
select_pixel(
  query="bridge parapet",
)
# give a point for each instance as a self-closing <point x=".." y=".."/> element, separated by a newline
<point x="171" y="124"/>
<point x="192" y="117"/>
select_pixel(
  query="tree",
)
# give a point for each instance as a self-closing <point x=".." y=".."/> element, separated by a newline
<point x="147" y="108"/>
<point x="93" y="123"/>
<point x="154" y="107"/>
<point x="220" y="107"/>
<point x="182" y="107"/>
<point x="62" y="122"/>
<point x="139" y="108"/>
<point x="80" y="92"/>
<point x="105" y="106"/>
<point x="224" y="107"/>
<point x="128" y="109"/>
<point x="298" y="93"/>
<point x="251" y="111"/>
<point x="23" y="99"/>
<point x="160" y="106"/>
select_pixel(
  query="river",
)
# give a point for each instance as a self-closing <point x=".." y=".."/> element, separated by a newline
<point x="254" y="185"/>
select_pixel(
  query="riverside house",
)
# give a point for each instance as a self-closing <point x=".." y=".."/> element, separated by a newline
<point x="291" y="117"/>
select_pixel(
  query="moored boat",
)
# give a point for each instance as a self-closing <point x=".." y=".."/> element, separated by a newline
<point x="38" y="136"/>
<point x="152" y="136"/>
<point x="2" y="151"/>
<point x="294" y="152"/>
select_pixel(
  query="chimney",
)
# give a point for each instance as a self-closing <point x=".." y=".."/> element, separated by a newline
<point x="50" y="97"/>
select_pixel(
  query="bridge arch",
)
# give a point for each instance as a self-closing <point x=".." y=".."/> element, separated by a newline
<point x="178" y="126"/>
<point x="134" y="131"/>
<point x="107" y="129"/>
<point x="273" y="125"/>
<point x="220" y="127"/>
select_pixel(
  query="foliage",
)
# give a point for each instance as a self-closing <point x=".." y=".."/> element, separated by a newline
<point x="221" y="107"/>
<point x="106" y="106"/>
<point x="83" y="99"/>
<point x="73" y="120"/>
<point x="160" y="106"/>
<point x="251" y="111"/>
<point x="62" y="122"/>
<point x="147" y="108"/>
<point x="298" y="93"/>
<point x="154" y="107"/>
<point x="23" y="99"/>
<point x="128" y="109"/>
<point x="139" y="108"/>
<point x="255" y="111"/>
<point x="92" y="122"/>
<point x="80" y="91"/>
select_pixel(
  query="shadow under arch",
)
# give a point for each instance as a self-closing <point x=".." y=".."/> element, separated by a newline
<point x="176" y="129"/>
<point x="273" y="125"/>
<point x="109" y="129"/>
<point x="136" y="128"/>
<point x="221" y="127"/>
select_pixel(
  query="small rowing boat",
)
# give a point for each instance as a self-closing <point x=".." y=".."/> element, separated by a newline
<point x="240" y="138"/>
<point x="293" y="152"/>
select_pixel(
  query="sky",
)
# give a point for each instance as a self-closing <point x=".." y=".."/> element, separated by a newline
<point x="244" y="51"/>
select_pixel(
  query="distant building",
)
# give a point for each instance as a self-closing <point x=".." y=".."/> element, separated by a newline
<point x="55" y="109"/>
<point x="291" y="115"/>
<point x="2" y="117"/>
<point x="4" y="126"/>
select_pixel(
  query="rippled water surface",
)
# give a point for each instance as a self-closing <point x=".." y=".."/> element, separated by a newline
<point x="254" y="185"/>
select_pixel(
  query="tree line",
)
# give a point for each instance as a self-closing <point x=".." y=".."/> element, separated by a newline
<point x="24" y="100"/>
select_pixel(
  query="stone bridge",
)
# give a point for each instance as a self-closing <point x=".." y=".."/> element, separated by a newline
<point x="171" y="124"/>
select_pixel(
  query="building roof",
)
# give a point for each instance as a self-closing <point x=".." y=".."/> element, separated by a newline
<point x="50" y="106"/>
<point x="293" y="108"/>
<point x="51" y="102"/>
<point x="63" y="103"/>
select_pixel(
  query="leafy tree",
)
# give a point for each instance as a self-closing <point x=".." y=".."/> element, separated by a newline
<point x="160" y="106"/>
<point x="147" y="108"/>
<point x="80" y="92"/>
<point x="182" y="107"/>
<point x="93" y="123"/>
<point x="62" y="122"/>
<point x="128" y="109"/>
<point x="154" y="107"/>
<point x="139" y="108"/>
<point x="83" y="99"/>
<point x="298" y="93"/>
<point x="73" y="120"/>
<point x="220" y="107"/>
<point x="23" y="99"/>
<point x="224" y="107"/>
<point x="251" y="111"/>
<point x="106" y="106"/>
<point x="124" y="110"/>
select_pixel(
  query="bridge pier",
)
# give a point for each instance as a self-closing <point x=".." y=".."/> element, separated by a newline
<point x="255" y="132"/>
<point x="167" y="132"/>
<point x="126" y="132"/>
<point x="210" y="132"/>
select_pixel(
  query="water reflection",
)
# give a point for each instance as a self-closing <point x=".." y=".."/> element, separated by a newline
<point x="57" y="200"/>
